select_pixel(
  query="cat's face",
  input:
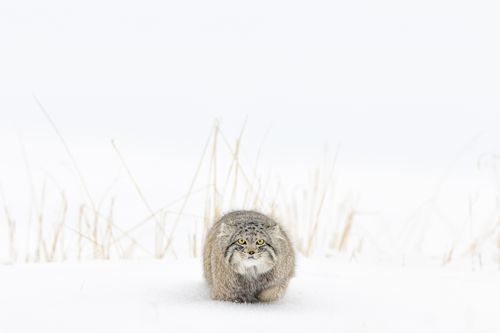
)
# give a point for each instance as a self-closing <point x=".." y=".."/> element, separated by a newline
<point x="249" y="247"/>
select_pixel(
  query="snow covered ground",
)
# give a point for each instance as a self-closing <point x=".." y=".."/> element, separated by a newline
<point x="170" y="296"/>
<point x="407" y="93"/>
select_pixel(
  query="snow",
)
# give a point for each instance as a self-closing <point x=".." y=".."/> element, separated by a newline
<point x="163" y="296"/>
<point x="407" y="90"/>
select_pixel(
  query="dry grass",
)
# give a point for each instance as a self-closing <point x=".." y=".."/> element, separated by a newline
<point x="320" y="223"/>
<point x="94" y="234"/>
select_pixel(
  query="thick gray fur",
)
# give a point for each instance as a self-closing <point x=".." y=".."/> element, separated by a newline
<point x="233" y="273"/>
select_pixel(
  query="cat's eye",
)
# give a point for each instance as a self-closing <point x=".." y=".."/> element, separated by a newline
<point x="260" y="242"/>
<point x="242" y="241"/>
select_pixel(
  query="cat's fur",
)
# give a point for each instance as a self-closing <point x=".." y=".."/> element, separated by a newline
<point x="230" y="270"/>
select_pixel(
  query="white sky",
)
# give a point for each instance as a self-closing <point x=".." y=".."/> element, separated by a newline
<point x="410" y="90"/>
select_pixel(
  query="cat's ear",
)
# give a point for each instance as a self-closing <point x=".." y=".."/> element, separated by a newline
<point x="274" y="231"/>
<point x="226" y="231"/>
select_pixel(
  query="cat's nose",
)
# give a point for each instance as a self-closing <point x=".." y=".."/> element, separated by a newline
<point x="251" y="253"/>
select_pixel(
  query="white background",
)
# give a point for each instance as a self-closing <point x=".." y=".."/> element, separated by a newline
<point x="408" y="90"/>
